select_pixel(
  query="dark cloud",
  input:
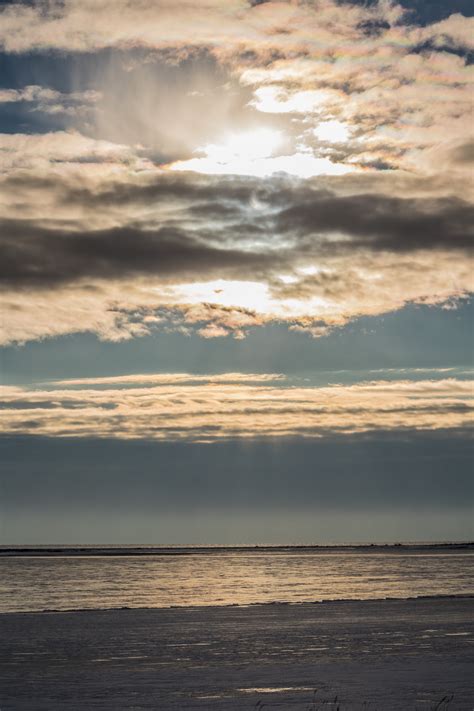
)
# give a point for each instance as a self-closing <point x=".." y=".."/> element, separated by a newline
<point x="373" y="28"/>
<point x="186" y="189"/>
<point x="383" y="223"/>
<point x="39" y="257"/>
<point x="464" y="153"/>
<point x="416" y="486"/>
<point x="216" y="229"/>
<point x="446" y="45"/>
<point x="368" y="472"/>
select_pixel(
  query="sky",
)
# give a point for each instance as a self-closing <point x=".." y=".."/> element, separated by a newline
<point x="236" y="272"/>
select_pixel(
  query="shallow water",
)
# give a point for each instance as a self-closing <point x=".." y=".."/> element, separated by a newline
<point x="227" y="577"/>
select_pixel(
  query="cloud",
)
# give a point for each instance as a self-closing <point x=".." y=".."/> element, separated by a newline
<point x="44" y="151"/>
<point x="51" y="101"/>
<point x="99" y="234"/>
<point x="65" y="26"/>
<point x="213" y="408"/>
<point x="381" y="223"/>
<point x="121" y="257"/>
<point x="394" y="471"/>
<point x="113" y="253"/>
<point x="172" y="379"/>
<point x="304" y="220"/>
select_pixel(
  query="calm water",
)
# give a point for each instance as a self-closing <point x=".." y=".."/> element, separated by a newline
<point x="228" y="577"/>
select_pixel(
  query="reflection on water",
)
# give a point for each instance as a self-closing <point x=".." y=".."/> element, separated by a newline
<point x="228" y="577"/>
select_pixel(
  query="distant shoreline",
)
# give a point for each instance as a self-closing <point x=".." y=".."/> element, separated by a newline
<point x="144" y="550"/>
<point x="346" y="602"/>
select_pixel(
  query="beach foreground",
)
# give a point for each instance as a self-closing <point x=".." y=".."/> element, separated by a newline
<point x="391" y="654"/>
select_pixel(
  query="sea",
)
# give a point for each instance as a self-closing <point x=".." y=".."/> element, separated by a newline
<point x="41" y="578"/>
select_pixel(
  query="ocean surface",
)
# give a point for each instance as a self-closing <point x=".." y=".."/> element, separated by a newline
<point x="105" y="578"/>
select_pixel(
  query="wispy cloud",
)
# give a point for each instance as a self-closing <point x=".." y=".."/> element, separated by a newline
<point x="227" y="406"/>
<point x="172" y="379"/>
<point x="51" y="101"/>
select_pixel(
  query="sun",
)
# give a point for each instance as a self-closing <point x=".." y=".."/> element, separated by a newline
<point x="246" y="146"/>
<point x="245" y="153"/>
<point x="257" y="153"/>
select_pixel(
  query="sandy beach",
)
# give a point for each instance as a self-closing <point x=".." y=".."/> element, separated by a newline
<point x="393" y="654"/>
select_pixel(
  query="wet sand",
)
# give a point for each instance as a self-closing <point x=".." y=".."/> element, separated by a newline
<point x="397" y="654"/>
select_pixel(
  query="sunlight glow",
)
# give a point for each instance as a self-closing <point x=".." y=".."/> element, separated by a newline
<point x="252" y="153"/>
<point x="247" y="295"/>
<point x="310" y="270"/>
<point x="251" y="145"/>
<point x="273" y="100"/>
<point x="251" y="295"/>
<point x="287" y="278"/>
<point x="332" y="131"/>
